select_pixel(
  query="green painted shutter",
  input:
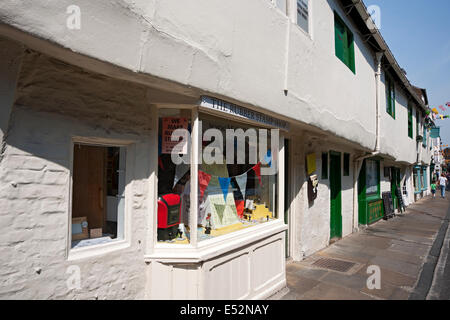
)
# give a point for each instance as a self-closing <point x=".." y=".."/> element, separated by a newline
<point x="392" y="98"/>
<point x="339" y="38"/>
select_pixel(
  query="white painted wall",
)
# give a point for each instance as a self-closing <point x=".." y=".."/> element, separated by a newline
<point x="35" y="180"/>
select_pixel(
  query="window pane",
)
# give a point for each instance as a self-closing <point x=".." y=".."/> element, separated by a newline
<point x="98" y="194"/>
<point x="237" y="189"/>
<point x="302" y="14"/>
<point x="371" y="177"/>
<point x="173" y="179"/>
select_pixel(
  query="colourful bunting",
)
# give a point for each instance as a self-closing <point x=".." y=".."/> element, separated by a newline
<point x="257" y="169"/>
<point x="242" y="183"/>
<point x="180" y="171"/>
<point x="224" y="184"/>
<point x="268" y="158"/>
<point x="435" y="111"/>
<point x="203" y="182"/>
<point x="240" y="207"/>
<point x="442" y="108"/>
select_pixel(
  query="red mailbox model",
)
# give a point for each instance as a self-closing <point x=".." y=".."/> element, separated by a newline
<point x="169" y="216"/>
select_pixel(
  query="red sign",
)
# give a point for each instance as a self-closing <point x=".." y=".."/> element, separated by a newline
<point x="169" y="125"/>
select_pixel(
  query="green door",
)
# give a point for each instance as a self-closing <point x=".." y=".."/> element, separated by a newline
<point x="395" y="184"/>
<point x="335" y="198"/>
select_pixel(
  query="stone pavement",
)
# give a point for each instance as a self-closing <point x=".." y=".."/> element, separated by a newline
<point x="399" y="247"/>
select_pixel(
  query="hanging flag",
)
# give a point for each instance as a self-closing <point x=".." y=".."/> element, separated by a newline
<point x="448" y="104"/>
<point x="224" y="184"/>
<point x="180" y="171"/>
<point x="435" y="111"/>
<point x="240" y="207"/>
<point x="257" y="169"/>
<point x="220" y="209"/>
<point x="242" y="183"/>
<point x="442" y="117"/>
<point x="268" y="158"/>
<point x="442" y="108"/>
<point x="203" y="182"/>
<point x="427" y="112"/>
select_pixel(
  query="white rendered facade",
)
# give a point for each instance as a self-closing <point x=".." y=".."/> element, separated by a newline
<point x="104" y="84"/>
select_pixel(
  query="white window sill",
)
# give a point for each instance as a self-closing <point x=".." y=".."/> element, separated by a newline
<point x="97" y="250"/>
<point x="208" y="249"/>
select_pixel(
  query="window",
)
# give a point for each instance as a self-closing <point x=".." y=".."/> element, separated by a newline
<point x="98" y="194"/>
<point x="390" y="95"/>
<point x="417" y="123"/>
<point x="346" y="164"/>
<point x="237" y="185"/>
<point x="344" y="44"/>
<point x="410" y="121"/>
<point x="240" y="192"/>
<point x="174" y="187"/>
<point x="416" y="180"/>
<point x="302" y="14"/>
<point x="325" y="165"/>
<point x="372" y="177"/>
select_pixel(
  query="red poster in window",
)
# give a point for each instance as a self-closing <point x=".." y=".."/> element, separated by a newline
<point x="169" y="125"/>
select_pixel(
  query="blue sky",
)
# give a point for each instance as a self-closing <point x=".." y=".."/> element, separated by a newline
<point x="418" y="34"/>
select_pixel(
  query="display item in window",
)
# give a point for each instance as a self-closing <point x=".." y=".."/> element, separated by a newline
<point x="169" y="216"/>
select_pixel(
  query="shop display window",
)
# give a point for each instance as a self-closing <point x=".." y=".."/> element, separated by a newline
<point x="173" y="180"/>
<point x="240" y="191"/>
<point x="236" y="177"/>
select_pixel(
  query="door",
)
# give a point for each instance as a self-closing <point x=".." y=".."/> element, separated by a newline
<point x="335" y="196"/>
<point x="89" y="181"/>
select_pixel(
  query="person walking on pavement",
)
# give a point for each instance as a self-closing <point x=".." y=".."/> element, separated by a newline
<point x="442" y="185"/>
<point x="433" y="188"/>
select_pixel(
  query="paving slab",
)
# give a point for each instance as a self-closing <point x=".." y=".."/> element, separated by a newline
<point x="399" y="247"/>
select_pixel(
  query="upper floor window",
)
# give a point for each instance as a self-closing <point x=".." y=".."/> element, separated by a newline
<point x="344" y="43"/>
<point x="417" y="123"/>
<point x="410" y="121"/>
<point x="390" y="96"/>
<point x="303" y="14"/>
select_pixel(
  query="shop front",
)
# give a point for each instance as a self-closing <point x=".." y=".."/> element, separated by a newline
<point x="219" y="231"/>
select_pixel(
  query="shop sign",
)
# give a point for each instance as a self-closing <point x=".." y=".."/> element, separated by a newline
<point x="169" y="125"/>
<point x="242" y="112"/>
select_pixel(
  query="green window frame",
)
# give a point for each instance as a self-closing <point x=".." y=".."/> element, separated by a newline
<point x="410" y="121"/>
<point x="390" y="95"/>
<point x="325" y="165"/>
<point x="417" y="122"/>
<point x="344" y="43"/>
<point x="346" y="164"/>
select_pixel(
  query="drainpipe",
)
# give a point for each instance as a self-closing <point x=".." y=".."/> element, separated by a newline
<point x="359" y="160"/>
